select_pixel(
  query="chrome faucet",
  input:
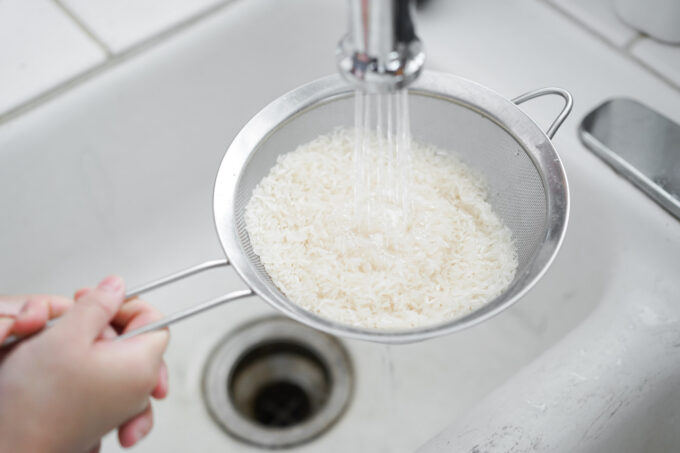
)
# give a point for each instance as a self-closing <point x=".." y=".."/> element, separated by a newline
<point x="381" y="52"/>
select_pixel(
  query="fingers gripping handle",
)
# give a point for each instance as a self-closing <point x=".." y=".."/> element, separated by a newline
<point x="183" y="314"/>
<point x="564" y="113"/>
<point x="175" y="317"/>
<point x="191" y="311"/>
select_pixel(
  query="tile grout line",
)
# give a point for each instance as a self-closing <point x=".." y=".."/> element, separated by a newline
<point x="84" y="28"/>
<point x="173" y="30"/>
<point x="654" y="71"/>
<point x="628" y="47"/>
<point x="114" y="60"/>
<point x="625" y="51"/>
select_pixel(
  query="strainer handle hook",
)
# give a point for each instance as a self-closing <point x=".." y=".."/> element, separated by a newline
<point x="177" y="316"/>
<point x="564" y="94"/>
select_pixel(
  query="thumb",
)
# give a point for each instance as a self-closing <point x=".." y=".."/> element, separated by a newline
<point x="95" y="310"/>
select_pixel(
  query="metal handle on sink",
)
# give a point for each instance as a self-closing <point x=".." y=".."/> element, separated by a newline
<point x="564" y="94"/>
<point x="175" y="317"/>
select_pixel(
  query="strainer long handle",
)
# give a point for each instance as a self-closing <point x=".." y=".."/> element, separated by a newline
<point x="186" y="313"/>
<point x="564" y="94"/>
<point x="184" y="273"/>
<point x="175" y="317"/>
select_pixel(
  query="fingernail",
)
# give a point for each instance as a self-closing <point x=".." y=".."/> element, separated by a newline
<point x="80" y="293"/>
<point x="28" y="309"/>
<point x="111" y="284"/>
<point x="142" y="428"/>
<point x="164" y="379"/>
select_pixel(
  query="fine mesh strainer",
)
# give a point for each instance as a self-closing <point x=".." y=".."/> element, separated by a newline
<point x="527" y="185"/>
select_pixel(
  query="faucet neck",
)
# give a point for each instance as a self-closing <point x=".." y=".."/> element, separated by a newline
<point x="380" y="52"/>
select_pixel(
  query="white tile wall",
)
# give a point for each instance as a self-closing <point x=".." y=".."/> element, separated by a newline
<point x="39" y="48"/>
<point x="663" y="58"/>
<point x="600" y="17"/>
<point x="46" y="42"/>
<point x="122" y="23"/>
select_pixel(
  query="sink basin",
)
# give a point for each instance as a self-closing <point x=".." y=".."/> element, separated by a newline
<point x="115" y="176"/>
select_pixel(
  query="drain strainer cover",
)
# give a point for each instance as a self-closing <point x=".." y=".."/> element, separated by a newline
<point x="276" y="383"/>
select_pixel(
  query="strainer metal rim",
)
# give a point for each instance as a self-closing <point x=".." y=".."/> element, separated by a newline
<point x="486" y="102"/>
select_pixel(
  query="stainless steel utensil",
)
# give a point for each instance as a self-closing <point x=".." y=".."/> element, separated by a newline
<point x="526" y="183"/>
<point x="380" y="52"/>
<point x="640" y="144"/>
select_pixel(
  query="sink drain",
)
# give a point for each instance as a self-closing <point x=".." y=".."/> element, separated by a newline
<point x="276" y="383"/>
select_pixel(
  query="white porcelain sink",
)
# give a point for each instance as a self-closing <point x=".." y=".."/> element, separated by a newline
<point x="116" y="176"/>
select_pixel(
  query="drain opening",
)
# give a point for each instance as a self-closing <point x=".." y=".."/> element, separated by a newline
<point x="279" y="384"/>
<point x="281" y="404"/>
<point x="276" y="383"/>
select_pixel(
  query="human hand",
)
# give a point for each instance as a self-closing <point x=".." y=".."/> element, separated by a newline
<point x="48" y="404"/>
<point x="23" y="315"/>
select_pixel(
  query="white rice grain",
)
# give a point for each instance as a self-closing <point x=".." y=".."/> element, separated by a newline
<point x="451" y="254"/>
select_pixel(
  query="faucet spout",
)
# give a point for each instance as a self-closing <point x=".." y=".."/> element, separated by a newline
<point x="381" y="52"/>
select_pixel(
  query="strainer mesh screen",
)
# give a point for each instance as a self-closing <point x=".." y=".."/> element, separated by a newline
<point x="515" y="187"/>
